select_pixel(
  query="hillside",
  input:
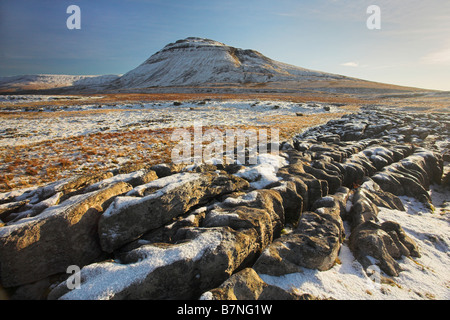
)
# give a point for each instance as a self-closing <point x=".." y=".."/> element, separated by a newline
<point x="196" y="61"/>
<point x="52" y="81"/>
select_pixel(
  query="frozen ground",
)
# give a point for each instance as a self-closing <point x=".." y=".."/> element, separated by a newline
<point x="65" y="121"/>
<point x="427" y="277"/>
<point x="15" y="99"/>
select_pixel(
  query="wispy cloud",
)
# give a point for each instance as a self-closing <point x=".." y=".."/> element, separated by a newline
<point x="352" y="64"/>
<point x="439" y="57"/>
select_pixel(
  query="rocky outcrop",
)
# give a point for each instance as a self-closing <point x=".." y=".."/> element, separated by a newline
<point x="383" y="243"/>
<point x="151" y="205"/>
<point x="412" y="176"/>
<point x="210" y="231"/>
<point x="247" y="285"/>
<point x="313" y="244"/>
<point x="62" y="235"/>
<point x="205" y="258"/>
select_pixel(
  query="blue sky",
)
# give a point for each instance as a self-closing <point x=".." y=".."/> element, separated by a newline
<point x="412" y="47"/>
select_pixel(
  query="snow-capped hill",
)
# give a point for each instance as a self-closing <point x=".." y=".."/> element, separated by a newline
<point x="51" y="81"/>
<point x="196" y="61"/>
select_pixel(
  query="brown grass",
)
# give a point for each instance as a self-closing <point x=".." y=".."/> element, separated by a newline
<point x="47" y="161"/>
<point x="156" y="97"/>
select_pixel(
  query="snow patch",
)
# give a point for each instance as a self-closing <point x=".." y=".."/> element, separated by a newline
<point x="158" y="188"/>
<point x="102" y="281"/>
<point x="264" y="172"/>
<point x="426" y="277"/>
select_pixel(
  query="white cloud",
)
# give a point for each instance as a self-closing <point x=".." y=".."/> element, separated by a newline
<point x="350" y="64"/>
<point x="440" y="57"/>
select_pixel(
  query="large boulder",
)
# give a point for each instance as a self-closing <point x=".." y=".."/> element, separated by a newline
<point x="251" y="220"/>
<point x="369" y="240"/>
<point x="333" y="179"/>
<point x="362" y="209"/>
<point x="31" y="210"/>
<point x="301" y="189"/>
<point x="154" y="204"/>
<point x="267" y="200"/>
<point x="244" y="285"/>
<point x="380" y="198"/>
<point x="204" y="260"/>
<point x="401" y="238"/>
<point x="62" y="235"/>
<point x="314" y="244"/>
<point x="7" y="208"/>
<point x="292" y="201"/>
<point x="67" y="186"/>
<point x="135" y="178"/>
<point x="385" y="243"/>
<point x="247" y="285"/>
<point x="412" y="175"/>
<point x="308" y="186"/>
<point x="380" y="156"/>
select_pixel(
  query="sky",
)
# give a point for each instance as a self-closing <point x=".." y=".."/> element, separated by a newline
<point x="411" y="48"/>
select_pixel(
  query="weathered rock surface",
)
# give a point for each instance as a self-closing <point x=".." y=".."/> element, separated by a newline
<point x="382" y="243"/>
<point x="247" y="285"/>
<point x="66" y="186"/>
<point x="181" y="271"/>
<point x="386" y="242"/>
<point x="135" y="178"/>
<point x="151" y="205"/>
<point x="60" y="236"/>
<point x="412" y="175"/>
<point x="314" y="244"/>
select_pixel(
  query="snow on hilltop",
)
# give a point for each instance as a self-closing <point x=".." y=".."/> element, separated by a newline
<point x="50" y="81"/>
<point x="195" y="61"/>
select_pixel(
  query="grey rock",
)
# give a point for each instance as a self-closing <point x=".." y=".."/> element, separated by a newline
<point x="368" y="239"/>
<point x="247" y="285"/>
<point x="292" y="201"/>
<point x="314" y="244"/>
<point x="362" y="209"/>
<point x="152" y="205"/>
<point x="391" y="226"/>
<point x="60" y="236"/>
<point x="380" y="198"/>
<point x="206" y="258"/>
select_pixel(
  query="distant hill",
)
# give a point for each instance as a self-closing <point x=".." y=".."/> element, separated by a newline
<point x="196" y="61"/>
<point x="52" y="81"/>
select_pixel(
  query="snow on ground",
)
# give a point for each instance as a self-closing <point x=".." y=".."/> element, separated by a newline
<point x="264" y="172"/>
<point x="427" y="277"/>
<point x="47" y="81"/>
<point x="141" y="116"/>
<point x="16" y="99"/>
